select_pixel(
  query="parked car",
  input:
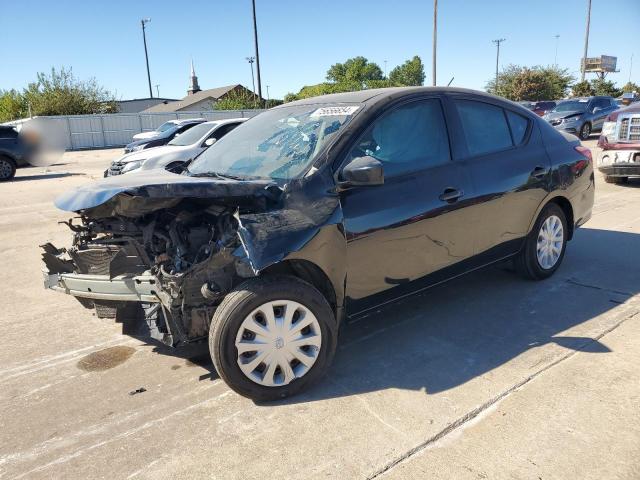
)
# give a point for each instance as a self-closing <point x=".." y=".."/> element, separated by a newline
<point x="14" y="152"/>
<point x="163" y="137"/>
<point x="319" y="210"/>
<point x="581" y="116"/>
<point x="619" y="158"/>
<point x="182" y="148"/>
<point x="539" y="108"/>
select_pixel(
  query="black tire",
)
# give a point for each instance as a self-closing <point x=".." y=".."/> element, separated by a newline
<point x="244" y="299"/>
<point x="585" y="131"/>
<point x="7" y="168"/>
<point x="526" y="261"/>
<point x="616" y="180"/>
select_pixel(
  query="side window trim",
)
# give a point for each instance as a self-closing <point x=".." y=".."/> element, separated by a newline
<point x="399" y="104"/>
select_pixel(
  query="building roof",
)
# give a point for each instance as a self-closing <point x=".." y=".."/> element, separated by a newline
<point x="213" y="93"/>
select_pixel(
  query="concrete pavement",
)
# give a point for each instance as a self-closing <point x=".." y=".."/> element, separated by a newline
<point x="488" y="376"/>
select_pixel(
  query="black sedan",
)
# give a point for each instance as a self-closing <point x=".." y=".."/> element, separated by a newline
<point x="320" y="210"/>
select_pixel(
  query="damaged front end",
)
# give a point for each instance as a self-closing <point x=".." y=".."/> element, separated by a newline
<point x="162" y="260"/>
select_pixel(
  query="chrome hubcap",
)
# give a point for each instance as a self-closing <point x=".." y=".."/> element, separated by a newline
<point x="5" y="169"/>
<point x="278" y="342"/>
<point x="550" y="241"/>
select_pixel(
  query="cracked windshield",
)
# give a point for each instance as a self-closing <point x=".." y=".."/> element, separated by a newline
<point x="279" y="144"/>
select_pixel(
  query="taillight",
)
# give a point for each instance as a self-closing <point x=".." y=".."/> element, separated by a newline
<point x="585" y="151"/>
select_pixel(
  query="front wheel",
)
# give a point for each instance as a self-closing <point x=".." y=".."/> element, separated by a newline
<point x="271" y="337"/>
<point x="7" y="169"/>
<point x="585" y="131"/>
<point x="544" y="248"/>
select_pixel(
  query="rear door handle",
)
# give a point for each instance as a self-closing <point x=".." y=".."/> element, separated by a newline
<point x="450" y="195"/>
<point x="539" y="172"/>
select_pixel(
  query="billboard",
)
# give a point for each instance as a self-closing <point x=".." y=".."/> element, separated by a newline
<point x="603" y="63"/>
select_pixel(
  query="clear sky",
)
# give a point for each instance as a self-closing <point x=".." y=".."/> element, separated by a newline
<point x="300" y="39"/>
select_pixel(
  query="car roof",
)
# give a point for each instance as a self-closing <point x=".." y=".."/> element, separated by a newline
<point x="187" y="120"/>
<point x="378" y="94"/>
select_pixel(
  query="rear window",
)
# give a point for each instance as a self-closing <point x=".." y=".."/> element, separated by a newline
<point x="518" y="126"/>
<point x="485" y="127"/>
<point x="8" y="132"/>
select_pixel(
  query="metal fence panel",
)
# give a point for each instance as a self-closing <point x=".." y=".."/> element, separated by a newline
<point x="117" y="129"/>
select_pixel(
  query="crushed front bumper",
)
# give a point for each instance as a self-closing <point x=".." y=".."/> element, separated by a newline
<point x="619" y="163"/>
<point x="140" y="288"/>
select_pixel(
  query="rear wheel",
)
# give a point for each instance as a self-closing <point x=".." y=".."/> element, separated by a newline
<point x="7" y="169"/>
<point x="272" y="337"/>
<point x="617" y="180"/>
<point x="545" y="245"/>
<point x="585" y="131"/>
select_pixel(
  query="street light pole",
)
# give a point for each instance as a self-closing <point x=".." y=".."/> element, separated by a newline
<point x="146" y="54"/>
<point x="255" y="38"/>
<point x="555" y="61"/>
<point x="157" y="85"/>
<point x="253" y="82"/>
<point x="435" y="40"/>
<point x="497" y="42"/>
<point x="586" y="41"/>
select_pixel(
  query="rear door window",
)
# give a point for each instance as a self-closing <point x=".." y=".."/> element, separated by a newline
<point x="519" y="125"/>
<point x="484" y="126"/>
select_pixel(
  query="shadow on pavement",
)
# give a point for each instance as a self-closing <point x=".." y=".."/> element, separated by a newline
<point x="46" y="176"/>
<point x="446" y="336"/>
<point x="449" y="335"/>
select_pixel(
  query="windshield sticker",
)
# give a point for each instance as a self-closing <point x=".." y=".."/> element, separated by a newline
<point x="334" y="111"/>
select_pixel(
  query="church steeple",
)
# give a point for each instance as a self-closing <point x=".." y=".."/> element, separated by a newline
<point x="194" y="88"/>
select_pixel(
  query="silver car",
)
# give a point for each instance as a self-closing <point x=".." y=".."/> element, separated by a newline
<point x="183" y="147"/>
<point x="581" y="116"/>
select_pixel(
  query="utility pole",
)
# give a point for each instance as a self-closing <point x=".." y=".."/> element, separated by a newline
<point x="555" y="61"/>
<point x="586" y="41"/>
<point x="255" y="37"/>
<point x="267" y="95"/>
<point x="497" y="42"/>
<point x="435" y="40"/>
<point x="630" y="67"/>
<point x="143" y="22"/>
<point x="385" y="69"/>
<point x="157" y="85"/>
<point x="253" y="82"/>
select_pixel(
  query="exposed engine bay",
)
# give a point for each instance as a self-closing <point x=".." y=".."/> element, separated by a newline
<point x="189" y="250"/>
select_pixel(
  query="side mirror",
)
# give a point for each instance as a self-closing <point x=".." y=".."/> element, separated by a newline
<point x="362" y="172"/>
<point x="209" y="141"/>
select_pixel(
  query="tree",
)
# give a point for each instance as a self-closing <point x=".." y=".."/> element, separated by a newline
<point x="410" y="73"/>
<point x="61" y="93"/>
<point x="535" y="83"/>
<point x="605" y="87"/>
<point x="357" y="70"/>
<point x="237" y="100"/>
<point x="582" y="89"/>
<point x="630" y="87"/>
<point x="12" y="106"/>
<point x="358" y="73"/>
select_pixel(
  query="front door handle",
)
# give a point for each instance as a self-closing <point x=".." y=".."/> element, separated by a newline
<point x="451" y="195"/>
<point x="539" y="172"/>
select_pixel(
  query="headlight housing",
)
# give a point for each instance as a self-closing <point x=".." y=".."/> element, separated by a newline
<point x="137" y="148"/>
<point x="608" y="128"/>
<point x="130" y="166"/>
<point x="571" y="120"/>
